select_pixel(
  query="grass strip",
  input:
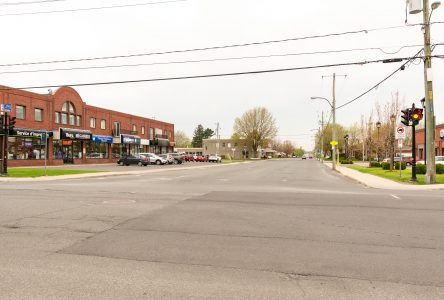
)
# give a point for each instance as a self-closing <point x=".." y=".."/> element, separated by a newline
<point x="37" y="172"/>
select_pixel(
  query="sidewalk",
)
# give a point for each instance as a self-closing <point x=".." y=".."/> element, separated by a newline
<point x="381" y="183"/>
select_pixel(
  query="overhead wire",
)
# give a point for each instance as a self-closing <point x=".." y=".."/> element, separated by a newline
<point x="195" y="61"/>
<point x="221" y="75"/>
<point x="28" y="2"/>
<point x="90" y="8"/>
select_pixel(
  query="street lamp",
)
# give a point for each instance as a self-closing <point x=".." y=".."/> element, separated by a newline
<point x="333" y="111"/>
<point x="392" y="141"/>
<point x="378" y="126"/>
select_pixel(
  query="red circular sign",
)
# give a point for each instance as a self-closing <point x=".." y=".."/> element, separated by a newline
<point x="400" y="129"/>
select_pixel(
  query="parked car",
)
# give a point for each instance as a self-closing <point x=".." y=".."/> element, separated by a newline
<point x="154" y="159"/>
<point x="304" y="156"/>
<point x="178" y="158"/>
<point x="214" y="158"/>
<point x="188" y="157"/>
<point x="201" y="158"/>
<point x="168" y="158"/>
<point x="438" y="160"/>
<point x="140" y="160"/>
<point x="405" y="159"/>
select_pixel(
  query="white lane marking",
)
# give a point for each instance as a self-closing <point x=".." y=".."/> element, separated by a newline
<point x="284" y="180"/>
<point x="394" y="196"/>
<point x="222" y="179"/>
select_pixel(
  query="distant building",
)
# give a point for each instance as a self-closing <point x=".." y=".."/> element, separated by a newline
<point x="236" y="149"/>
<point x="439" y="142"/>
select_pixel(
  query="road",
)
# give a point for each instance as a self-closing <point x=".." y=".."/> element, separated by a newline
<point x="275" y="229"/>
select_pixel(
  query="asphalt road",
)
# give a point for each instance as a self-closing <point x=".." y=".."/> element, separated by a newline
<point x="275" y="229"/>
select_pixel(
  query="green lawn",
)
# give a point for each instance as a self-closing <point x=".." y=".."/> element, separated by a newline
<point x="34" y="172"/>
<point x="406" y="174"/>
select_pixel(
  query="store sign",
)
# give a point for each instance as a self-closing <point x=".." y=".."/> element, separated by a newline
<point x="69" y="134"/>
<point x="28" y="133"/>
<point x="129" y="139"/>
<point x="102" y="139"/>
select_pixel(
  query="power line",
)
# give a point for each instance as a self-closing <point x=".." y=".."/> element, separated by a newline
<point x="386" y="78"/>
<point x="200" y="49"/>
<point x="29" y="2"/>
<point x="216" y="75"/>
<point x="201" y="60"/>
<point x="89" y="8"/>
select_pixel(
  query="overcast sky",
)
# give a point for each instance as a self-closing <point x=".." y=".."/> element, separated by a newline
<point x="206" y="23"/>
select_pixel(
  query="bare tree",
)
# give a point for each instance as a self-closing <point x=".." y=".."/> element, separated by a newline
<point x="182" y="140"/>
<point x="257" y="127"/>
<point x="288" y="147"/>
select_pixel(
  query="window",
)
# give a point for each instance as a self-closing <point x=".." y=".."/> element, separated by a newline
<point x="103" y="124"/>
<point x="20" y="112"/>
<point x="78" y="120"/>
<point x="57" y="117"/>
<point x="25" y="148"/>
<point x="134" y="128"/>
<point x="38" y="114"/>
<point x="92" y="122"/>
<point x="142" y="129"/>
<point x="72" y="120"/>
<point x="68" y="107"/>
<point x="64" y="118"/>
<point x="151" y="135"/>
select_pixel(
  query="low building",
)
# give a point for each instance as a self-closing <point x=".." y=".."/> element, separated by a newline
<point x="439" y="142"/>
<point x="62" y="127"/>
<point x="224" y="147"/>
<point x="192" y="151"/>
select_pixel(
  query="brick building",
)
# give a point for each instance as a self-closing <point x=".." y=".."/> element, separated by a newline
<point x="76" y="133"/>
<point x="439" y="141"/>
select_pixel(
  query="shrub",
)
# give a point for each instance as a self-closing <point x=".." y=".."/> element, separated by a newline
<point x="439" y="169"/>
<point x="346" y="162"/>
<point x="374" y="164"/>
<point x="421" y="169"/>
<point x="403" y="166"/>
<point x="385" y="165"/>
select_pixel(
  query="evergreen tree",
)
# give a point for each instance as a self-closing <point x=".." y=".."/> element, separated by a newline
<point x="198" y="135"/>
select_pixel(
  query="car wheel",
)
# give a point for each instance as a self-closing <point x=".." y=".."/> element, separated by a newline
<point x="121" y="163"/>
<point x="139" y="164"/>
<point x="158" y="162"/>
<point x="127" y="165"/>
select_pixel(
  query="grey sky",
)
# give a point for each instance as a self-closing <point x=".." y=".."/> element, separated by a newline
<point x="206" y="23"/>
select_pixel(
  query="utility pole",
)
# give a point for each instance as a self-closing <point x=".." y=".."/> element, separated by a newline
<point x="322" y="138"/>
<point x="218" y="138"/>
<point x="430" y="176"/>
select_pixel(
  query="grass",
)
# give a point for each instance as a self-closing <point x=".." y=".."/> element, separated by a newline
<point x="37" y="172"/>
<point x="394" y="175"/>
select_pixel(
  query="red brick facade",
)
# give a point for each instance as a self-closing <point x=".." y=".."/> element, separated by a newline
<point x="439" y="142"/>
<point x="73" y="113"/>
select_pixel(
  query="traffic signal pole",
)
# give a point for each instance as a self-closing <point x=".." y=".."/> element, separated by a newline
<point x="5" y="144"/>
<point x="413" y="154"/>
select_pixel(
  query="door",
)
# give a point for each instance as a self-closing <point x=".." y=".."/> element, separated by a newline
<point x="68" y="157"/>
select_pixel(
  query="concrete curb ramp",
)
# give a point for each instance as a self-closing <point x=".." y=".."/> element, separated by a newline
<point x="382" y="183"/>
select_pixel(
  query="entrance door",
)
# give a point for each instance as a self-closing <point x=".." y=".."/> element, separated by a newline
<point x="68" y="157"/>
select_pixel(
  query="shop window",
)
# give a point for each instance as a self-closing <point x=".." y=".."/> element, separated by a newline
<point x="20" y="112"/>
<point x="142" y="130"/>
<point x="103" y="124"/>
<point x="64" y="118"/>
<point x="38" y="114"/>
<point x="92" y="122"/>
<point x="96" y="150"/>
<point x="57" y="117"/>
<point x="78" y="120"/>
<point x="20" y="148"/>
<point x="72" y="120"/>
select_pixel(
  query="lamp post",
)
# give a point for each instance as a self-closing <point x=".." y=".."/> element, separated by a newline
<point x="378" y="126"/>
<point x="425" y="132"/>
<point x="392" y="141"/>
<point x="333" y="111"/>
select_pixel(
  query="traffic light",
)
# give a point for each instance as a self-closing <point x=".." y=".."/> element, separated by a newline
<point x="11" y="124"/>
<point x="416" y="116"/>
<point x="2" y="124"/>
<point x="406" y="116"/>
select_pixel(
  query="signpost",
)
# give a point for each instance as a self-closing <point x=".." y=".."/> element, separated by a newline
<point x="400" y="136"/>
<point x="333" y="144"/>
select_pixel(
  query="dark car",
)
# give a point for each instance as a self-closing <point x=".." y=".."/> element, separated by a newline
<point x="139" y="160"/>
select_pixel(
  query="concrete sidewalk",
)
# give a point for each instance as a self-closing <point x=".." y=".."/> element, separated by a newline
<point x="381" y="183"/>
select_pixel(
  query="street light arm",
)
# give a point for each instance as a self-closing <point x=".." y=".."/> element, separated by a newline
<point x="322" y="98"/>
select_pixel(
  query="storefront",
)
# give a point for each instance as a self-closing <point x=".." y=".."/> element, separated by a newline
<point x="125" y="145"/>
<point x="98" y="147"/>
<point x="27" y="144"/>
<point x="160" y="145"/>
<point x="68" y="144"/>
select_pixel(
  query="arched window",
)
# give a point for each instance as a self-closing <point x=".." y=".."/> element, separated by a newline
<point x="68" y="115"/>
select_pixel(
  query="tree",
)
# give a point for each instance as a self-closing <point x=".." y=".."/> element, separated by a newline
<point x="182" y="140"/>
<point x="199" y="134"/>
<point x="288" y="147"/>
<point x="299" y="152"/>
<point x="257" y="127"/>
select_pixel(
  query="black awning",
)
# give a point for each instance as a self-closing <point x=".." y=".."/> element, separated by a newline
<point x="75" y="134"/>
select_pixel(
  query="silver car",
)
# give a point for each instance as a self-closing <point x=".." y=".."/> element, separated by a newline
<point x="154" y="159"/>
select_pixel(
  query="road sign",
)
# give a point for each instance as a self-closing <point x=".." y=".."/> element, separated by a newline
<point x="400" y="143"/>
<point x="6" y="108"/>
<point x="400" y="132"/>
<point x="333" y="143"/>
